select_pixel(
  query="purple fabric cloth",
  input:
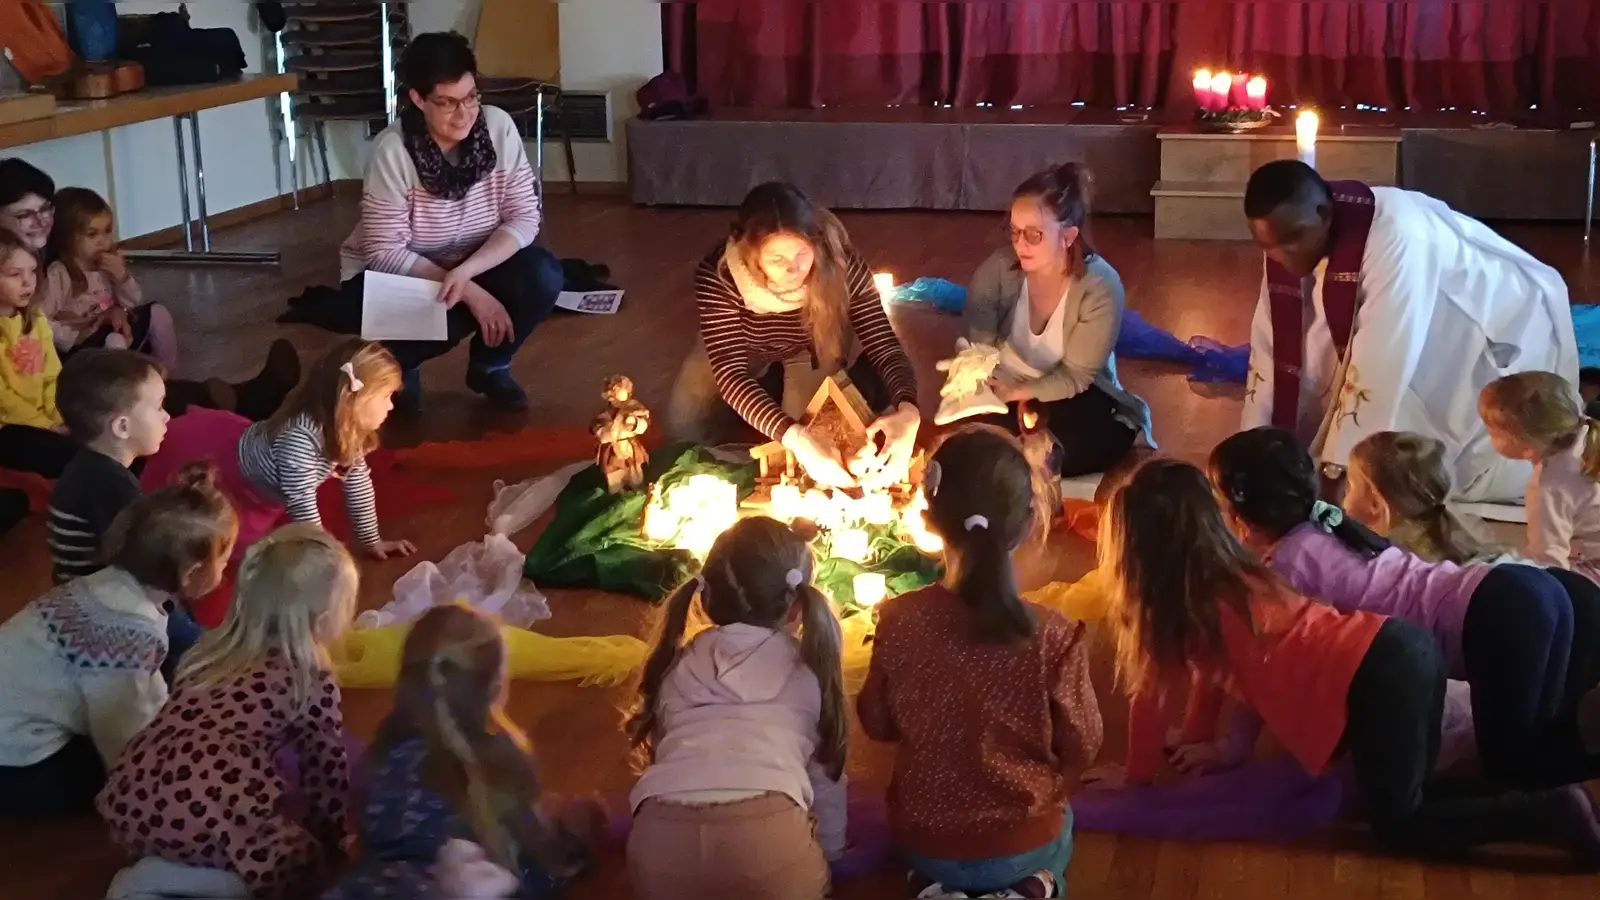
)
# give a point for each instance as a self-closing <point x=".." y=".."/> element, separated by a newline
<point x="1433" y="596"/>
<point x="1269" y="801"/>
<point x="1207" y="359"/>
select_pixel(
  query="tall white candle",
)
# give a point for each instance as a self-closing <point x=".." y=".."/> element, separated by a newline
<point x="1305" y="137"/>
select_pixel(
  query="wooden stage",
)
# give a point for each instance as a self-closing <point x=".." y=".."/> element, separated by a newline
<point x="971" y="159"/>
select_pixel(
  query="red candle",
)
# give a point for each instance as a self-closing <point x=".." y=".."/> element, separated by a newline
<point x="1221" y="89"/>
<point x="1239" y="98"/>
<point x="1256" y="93"/>
<point x="1202" y="88"/>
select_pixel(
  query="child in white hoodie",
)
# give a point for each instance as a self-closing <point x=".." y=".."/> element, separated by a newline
<point x="745" y="726"/>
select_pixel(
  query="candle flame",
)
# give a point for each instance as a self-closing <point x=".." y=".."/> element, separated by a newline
<point x="1256" y="87"/>
<point x="1202" y="78"/>
<point x="1030" y="419"/>
<point x="884" y="282"/>
<point x="1221" y="84"/>
<point x="1305" y="126"/>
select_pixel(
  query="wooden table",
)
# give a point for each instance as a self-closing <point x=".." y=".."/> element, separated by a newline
<point x="180" y="104"/>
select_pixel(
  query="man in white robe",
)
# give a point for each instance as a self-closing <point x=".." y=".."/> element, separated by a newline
<point x="1392" y="311"/>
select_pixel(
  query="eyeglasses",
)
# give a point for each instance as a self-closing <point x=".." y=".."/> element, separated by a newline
<point x="35" y="216"/>
<point x="452" y="105"/>
<point x="1031" y="236"/>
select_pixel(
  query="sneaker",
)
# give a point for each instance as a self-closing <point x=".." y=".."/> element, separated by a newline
<point x="927" y="889"/>
<point x="499" y="388"/>
<point x="408" y="400"/>
<point x="1040" y="884"/>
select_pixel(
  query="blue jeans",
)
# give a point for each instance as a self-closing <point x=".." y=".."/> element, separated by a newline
<point x="182" y="633"/>
<point x="982" y="876"/>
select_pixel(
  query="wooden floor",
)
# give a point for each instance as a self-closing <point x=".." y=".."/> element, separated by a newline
<point x="226" y="319"/>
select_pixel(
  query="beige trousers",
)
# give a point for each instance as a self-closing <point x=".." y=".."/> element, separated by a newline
<point x="764" y="848"/>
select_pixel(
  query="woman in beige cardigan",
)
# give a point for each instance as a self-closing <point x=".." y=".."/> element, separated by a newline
<point x="1054" y="308"/>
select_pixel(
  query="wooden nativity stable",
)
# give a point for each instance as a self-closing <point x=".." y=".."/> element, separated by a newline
<point x="837" y="412"/>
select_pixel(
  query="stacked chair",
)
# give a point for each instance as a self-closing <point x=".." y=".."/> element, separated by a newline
<point x="344" y="52"/>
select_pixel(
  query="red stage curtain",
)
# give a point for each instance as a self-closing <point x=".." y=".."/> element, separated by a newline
<point x="1500" y="56"/>
<point x="815" y="53"/>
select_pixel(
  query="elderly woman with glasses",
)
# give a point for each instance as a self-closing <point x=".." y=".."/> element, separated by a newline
<point x="27" y="203"/>
<point x="1053" y="307"/>
<point x="449" y="196"/>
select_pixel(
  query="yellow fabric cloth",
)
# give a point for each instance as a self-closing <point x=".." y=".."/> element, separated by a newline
<point x="29" y="367"/>
<point x="370" y="658"/>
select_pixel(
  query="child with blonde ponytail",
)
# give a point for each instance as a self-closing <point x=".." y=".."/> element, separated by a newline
<point x="1538" y="417"/>
<point x="986" y="696"/>
<point x="197" y="794"/>
<point x="745" y="727"/>
<point x="453" y="809"/>
<point x="1400" y="487"/>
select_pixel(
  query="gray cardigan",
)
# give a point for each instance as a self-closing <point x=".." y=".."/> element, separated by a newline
<point x="1092" y="319"/>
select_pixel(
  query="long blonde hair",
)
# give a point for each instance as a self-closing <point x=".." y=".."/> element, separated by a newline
<point x="330" y="393"/>
<point x="1407" y="472"/>
<point x="1173" y="566"/>
<point x="295" y="596"/>
<point x="778" y="208"/>
<point x="746" y="580"/>
<point x="1544" y="411"/>
<point x="451" y="693"/>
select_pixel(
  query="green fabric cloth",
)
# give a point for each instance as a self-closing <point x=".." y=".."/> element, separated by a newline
<point x="595" y="540"/>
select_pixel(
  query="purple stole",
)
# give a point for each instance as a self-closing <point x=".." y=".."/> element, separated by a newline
<point x="1353" y="208"/>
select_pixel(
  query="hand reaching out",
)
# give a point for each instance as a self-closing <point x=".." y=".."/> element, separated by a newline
<point x="387" y="549"/>
<point x="820" y="462"/>
<point x="899" y="431"/>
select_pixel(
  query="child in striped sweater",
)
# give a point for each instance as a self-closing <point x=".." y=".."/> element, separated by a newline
<point x="275" y="467"/>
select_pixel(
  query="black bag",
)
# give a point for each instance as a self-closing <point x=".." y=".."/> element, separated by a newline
<point x="174" y="53"/>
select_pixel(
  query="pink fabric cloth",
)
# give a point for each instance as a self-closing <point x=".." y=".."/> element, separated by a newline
<point x="214" y="434"/>
<point x="739" y="712"/>
<point x="1394" y="583"/>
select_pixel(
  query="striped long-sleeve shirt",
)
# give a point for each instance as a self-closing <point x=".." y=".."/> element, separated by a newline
<point x="401" y="222"/>
<point x="742" y="343"/>
<point x="291" y="465"/>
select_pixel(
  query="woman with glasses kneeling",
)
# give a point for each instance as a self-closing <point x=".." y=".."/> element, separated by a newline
<point x="1054" y="308"/>
<point x="449" y="196"/>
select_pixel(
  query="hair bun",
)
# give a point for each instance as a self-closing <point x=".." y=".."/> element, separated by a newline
<point x="201" y="474"/>
<point x="1073" y="177"/>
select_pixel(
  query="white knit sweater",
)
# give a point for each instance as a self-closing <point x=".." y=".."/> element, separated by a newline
<point x="84" y="658"/>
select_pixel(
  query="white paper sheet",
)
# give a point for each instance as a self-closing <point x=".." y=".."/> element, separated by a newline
<point x="401" y="308"/>
<point x="601" y="303"/>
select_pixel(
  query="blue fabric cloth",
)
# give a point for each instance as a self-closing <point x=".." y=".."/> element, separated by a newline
<point x="1207" y="358"/>
<point x="403" y="825"/>
<point x="1586" y="324"/>
<point x="982" y="876"/>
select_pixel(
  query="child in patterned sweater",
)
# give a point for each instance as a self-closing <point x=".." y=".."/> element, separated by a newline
<point x="198" y="792"/>
<point x="80" y="666"/>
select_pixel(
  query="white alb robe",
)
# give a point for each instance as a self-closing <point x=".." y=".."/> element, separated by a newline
<point x="1445" y="307"/>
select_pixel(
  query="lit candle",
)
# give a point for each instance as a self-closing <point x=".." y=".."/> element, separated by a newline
<point x="1305" y="137"/>
<point x="1202" y="88"/>
<point x="911" y="519"/>
<point x="660" y="524"/>
<point x="785" y="502"/>
<point x="1221" y="87"/>
<point x="876" y="508"/>
<point x="1255" y="92"/>
<point x="852" y="544"/>
<point x="884" y="282"/>
<point x="871" y="588"/>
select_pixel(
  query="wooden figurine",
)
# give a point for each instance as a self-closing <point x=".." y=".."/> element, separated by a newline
<point x="620" y="430"/>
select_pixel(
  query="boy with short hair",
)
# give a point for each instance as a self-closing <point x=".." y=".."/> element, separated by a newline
<point x="110" y="401"/>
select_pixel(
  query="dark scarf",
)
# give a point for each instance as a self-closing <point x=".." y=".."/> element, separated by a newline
<point x="438" y="176"/>
<point x="1353" y="208"/>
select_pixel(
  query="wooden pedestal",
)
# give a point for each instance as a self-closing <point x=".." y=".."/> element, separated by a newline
<point x="1201" y="192"/>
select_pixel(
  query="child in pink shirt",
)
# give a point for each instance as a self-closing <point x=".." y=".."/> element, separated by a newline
<point x="1508" y="630"/>
<point x="1190" y="603"/>
<point x="90" y="297"/>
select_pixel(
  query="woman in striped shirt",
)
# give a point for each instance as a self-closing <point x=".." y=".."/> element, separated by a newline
<point x="449" y="196"/>
<point x="783" y="303"/>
